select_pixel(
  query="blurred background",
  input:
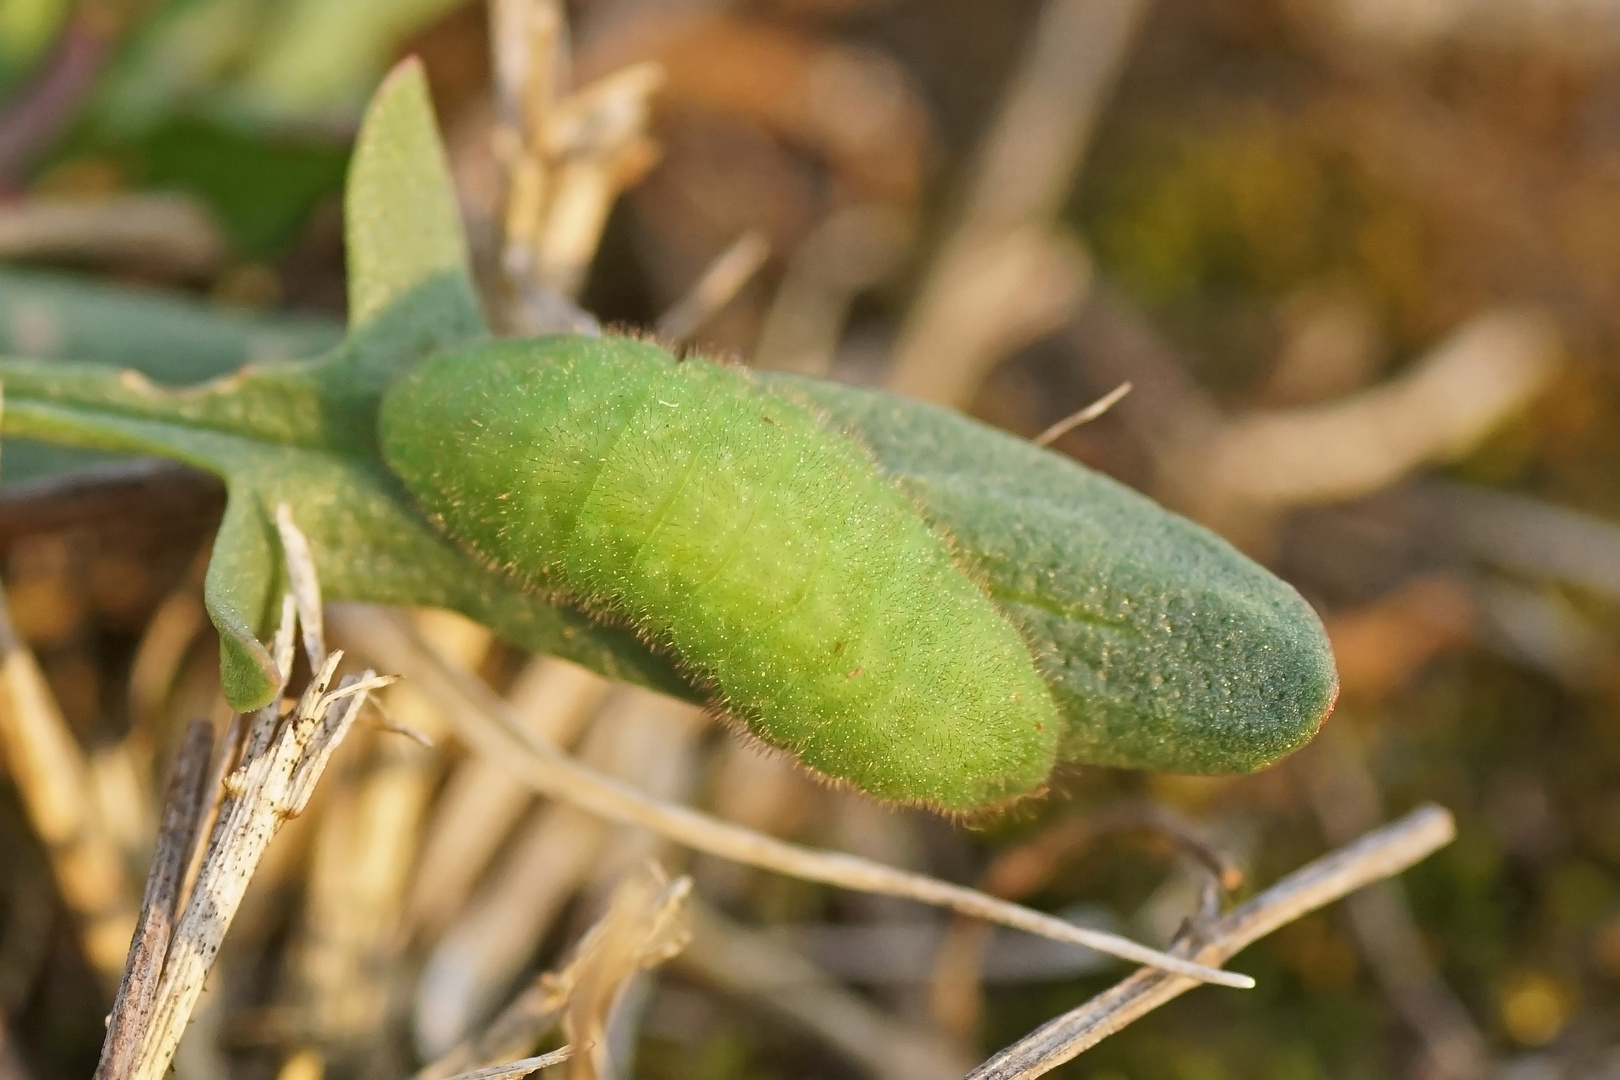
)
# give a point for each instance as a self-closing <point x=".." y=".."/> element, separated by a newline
<point x="1358" y="259"/>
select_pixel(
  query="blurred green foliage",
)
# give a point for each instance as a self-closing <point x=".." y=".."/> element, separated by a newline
<point x="26" y="28"/>
<point x="266" y="61"/>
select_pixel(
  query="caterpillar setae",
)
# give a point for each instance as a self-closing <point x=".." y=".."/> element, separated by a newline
<point x="731" y="527"/>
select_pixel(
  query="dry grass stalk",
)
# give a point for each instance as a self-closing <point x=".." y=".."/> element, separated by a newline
<point x="758" y="790"/>
<point x="488" y="725"/>
<point x="644" y="925"/>
<point x="1379" y="854"/>
<point x="641" y="738"/>
<point x="1223" y="468"/>
<point x="853" y="249"/>
<point x="857" y="109"/>
<point x="513" y="1070"/>
<point x="53" y="779"/>
<point x="349" y="938"/>
<point x="482" y="801"/>
<point x="281" y="759"/>
<point x="1082" y="416"/>
<point x="715" y="288"/>
<point x="281" y="763"/>
<point x="172" y="235"/>
<point x="183" y="810"/>
<point x="755" y="965"/>
<point x="1522" y="535"/>
<point x="999" y="278"/>
<point x="306" y="587"/>
<point x="567" y="158"/>
<point x="956" y="991"/>
<point x="1462" y="389"/>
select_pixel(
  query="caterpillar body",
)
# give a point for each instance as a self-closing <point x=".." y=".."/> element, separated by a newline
<point x="730" y="526"/>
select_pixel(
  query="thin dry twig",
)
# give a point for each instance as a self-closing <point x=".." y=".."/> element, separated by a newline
<point x="280" y="766"/>
<point x="513" y="1070"/>
<point x="644" y="925"/>
<point x="487" y="724"/>
<point x="756" y="965"/>
<point x="281" y="759"/>
<point x="1380" y="854"/>
<point x="53" y="779"/>
<point x="347" y="946"/>
<point x="853" y="249"/>
<point x="715" y="288"/>
<point x="640" y="738"/>
<point x="1000" y="277"/>
<point x="1222" y="468"/>
<point x="1458" y="392"/>
<point x="173" y="234"/>
<point x="1082" y="416"/>
<point x="1521" y="534"/>
<point x="183" y="809"/>
<point x="169" y="635"/>
<point x="306" y="587"/>
<point x="482" y="801"/>
<point x="1025" y="869"/>
<point x="567" y="158"/>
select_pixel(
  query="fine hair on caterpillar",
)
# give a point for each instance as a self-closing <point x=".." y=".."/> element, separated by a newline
<point x="732" y="526"/>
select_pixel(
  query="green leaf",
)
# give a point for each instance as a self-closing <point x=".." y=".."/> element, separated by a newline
<point x="171" y="338"/>
<point x="403" y="229"/>
<point x="243" y="572"/>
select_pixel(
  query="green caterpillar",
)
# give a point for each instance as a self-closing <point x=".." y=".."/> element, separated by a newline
<point x="726" y="524"/>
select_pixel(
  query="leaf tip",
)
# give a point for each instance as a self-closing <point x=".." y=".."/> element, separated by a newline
<point x="247" y="674"/>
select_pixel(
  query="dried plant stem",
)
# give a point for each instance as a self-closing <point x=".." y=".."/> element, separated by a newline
<point x="1484" y="371"/>
<point x="1026" y="868"/>
<point x="716" y="288"/>
<point x="755" y="965"/>
<point x="512" y="1070"/>
<point x="172" y="235"/>
<point x="348" y="942"/>
<point x="853" y="249"/>
<point x="644" y="925"/>
<point x="1380" y="854"/>
<point x="281" y="762"/>
<point x="481" y="801"/>
<point x="566" y="158"/>
<point x="999" y="277"/>
<point x="53" y="778"/>
<point x="1082" y="416"/>
<point x="485" y="722"/>
<point x="641" y="738"/>
<point x="183" y="810"/>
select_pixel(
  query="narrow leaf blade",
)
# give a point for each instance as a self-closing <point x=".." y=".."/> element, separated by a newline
<point x="238" y="590"/>
<point x="409" y="278"/>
